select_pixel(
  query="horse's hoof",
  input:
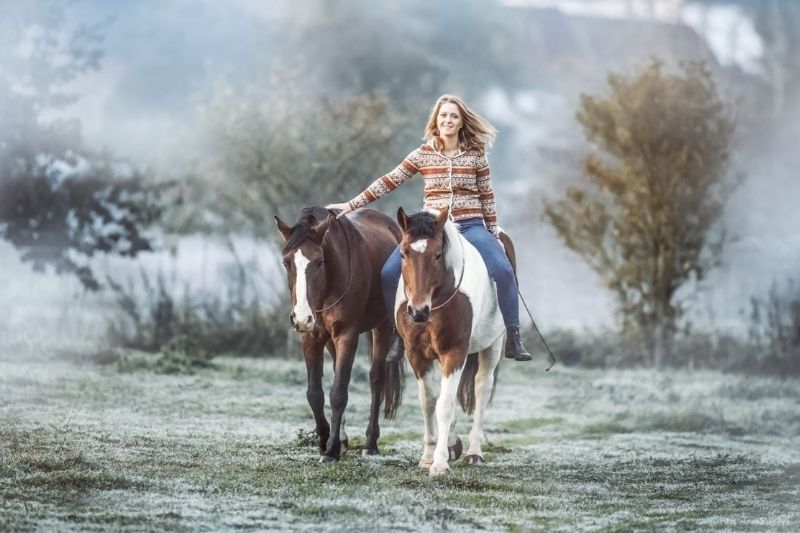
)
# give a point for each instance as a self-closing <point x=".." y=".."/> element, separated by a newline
<point x="425" y="464"/>
<point x="325" y="459"/>
<point x="456" y="449"/>
<point x="369" y="451"/>
<point x="474" y="459"/>
<point x="438" y="470"/>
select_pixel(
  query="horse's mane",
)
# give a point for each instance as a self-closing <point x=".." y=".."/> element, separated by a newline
<point x="453" y="254"/>
<point x="422" y="225"/>
<point x="301" y="231"/>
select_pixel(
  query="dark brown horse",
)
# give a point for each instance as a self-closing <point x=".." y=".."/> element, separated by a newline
<point x="333" y="268"/>
<point x="447" y="310"/>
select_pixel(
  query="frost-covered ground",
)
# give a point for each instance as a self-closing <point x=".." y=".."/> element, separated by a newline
<point x="112" y="444"/>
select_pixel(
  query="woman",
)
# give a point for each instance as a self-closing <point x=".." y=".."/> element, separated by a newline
<point x="456" y="172"/>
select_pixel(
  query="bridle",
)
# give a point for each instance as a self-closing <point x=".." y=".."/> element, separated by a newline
<point x="349" y="271"/>
<point x="458" y="285"/>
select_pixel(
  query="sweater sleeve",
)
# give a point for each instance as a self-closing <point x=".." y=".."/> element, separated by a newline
<point x="387" y="182"/>
<point x="486" y="195"/>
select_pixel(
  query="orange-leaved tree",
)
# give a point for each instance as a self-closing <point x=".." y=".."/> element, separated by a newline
<point x="648" y="220"/>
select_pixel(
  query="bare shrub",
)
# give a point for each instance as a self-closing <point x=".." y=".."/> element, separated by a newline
<point x="775" y="331"/>
<point x="151" y="317"/>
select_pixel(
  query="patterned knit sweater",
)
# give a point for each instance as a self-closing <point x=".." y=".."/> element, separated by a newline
<point x="462" y="182"/>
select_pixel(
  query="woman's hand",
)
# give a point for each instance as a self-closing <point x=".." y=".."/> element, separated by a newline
<point x="345" y="208"/>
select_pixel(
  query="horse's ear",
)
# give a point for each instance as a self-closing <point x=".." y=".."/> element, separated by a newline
<point x="402" y="218"/>
<point x="283" y="227"/>
<point x="441" y="218"/>
<point x="320" y="229"/>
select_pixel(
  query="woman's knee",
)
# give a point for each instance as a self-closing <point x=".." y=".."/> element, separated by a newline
<point x="503" y="273"/>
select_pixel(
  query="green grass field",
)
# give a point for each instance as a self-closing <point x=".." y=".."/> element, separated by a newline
<point x="111" y="442"/>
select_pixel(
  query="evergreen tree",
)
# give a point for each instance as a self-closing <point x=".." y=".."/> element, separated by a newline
<point x="60" y="202"/>
<point x="649" y="219"/>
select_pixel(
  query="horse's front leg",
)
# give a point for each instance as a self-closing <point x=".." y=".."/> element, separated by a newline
<point x="427" y="402"/>
<point x="452" y="365"/>
<point x="345" y="352"/>
<point x="342" y="433"/>
<point x="313" y="355"/>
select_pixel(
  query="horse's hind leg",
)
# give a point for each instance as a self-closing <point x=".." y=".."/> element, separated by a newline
<point x="380" y="336"/>
<point x="313" y="355"/>
<point x="484" y="382"/>
<point x="343" y="433"/>
<point x="454" y="445"/>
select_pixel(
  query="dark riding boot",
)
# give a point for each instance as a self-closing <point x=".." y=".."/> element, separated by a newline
<point x="514" y="347"/>
<point x="396" y="349"/>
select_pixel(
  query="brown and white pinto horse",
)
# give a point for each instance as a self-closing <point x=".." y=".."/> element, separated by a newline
<point x="447" y="308"/>
<point x="333" y="268"/>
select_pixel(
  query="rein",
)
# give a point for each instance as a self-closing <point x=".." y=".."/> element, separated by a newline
<point x="349" y="270"/>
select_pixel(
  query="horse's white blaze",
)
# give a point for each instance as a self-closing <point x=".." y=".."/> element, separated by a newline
<point x="420" y="245"/>
<point x="302" y="309"/>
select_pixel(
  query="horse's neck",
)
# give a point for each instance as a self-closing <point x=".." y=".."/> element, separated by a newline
<point x="455" y="266"/>
<point x="337" y="251"/>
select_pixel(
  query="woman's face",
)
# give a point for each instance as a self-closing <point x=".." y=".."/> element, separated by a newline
<point x="449" y="120"/>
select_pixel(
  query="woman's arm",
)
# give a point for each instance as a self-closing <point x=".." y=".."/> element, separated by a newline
<point x="486" y="195"/>
<point x="386" y="183"/>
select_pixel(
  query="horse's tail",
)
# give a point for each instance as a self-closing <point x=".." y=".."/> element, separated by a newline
<point x="394" y="380"/>
<point x="466" y="387"/>
<point x="494" y="382"/>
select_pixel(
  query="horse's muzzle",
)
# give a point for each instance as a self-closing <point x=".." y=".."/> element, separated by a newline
<point x="303" y="325"/>
<point x="419" y="315"/>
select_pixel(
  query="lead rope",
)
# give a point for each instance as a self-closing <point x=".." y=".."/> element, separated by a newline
<point x="552" y="357"/>
<point x="349" y="269"/>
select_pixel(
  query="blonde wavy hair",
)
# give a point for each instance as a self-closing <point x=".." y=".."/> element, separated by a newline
<point x="475" y="133"/>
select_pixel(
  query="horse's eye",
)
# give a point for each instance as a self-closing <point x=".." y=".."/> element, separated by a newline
<point x="437" y="256"/>
<point x="318" y="263"/>
<point x="402" y="255"/>
<point x="285" y="263"/>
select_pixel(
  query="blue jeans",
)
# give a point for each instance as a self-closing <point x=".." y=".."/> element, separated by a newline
<point x="474" y="230"/>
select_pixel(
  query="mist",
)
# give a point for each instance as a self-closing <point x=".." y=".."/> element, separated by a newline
<point x="155" y="159"/>
<point x="163" y="66"/>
